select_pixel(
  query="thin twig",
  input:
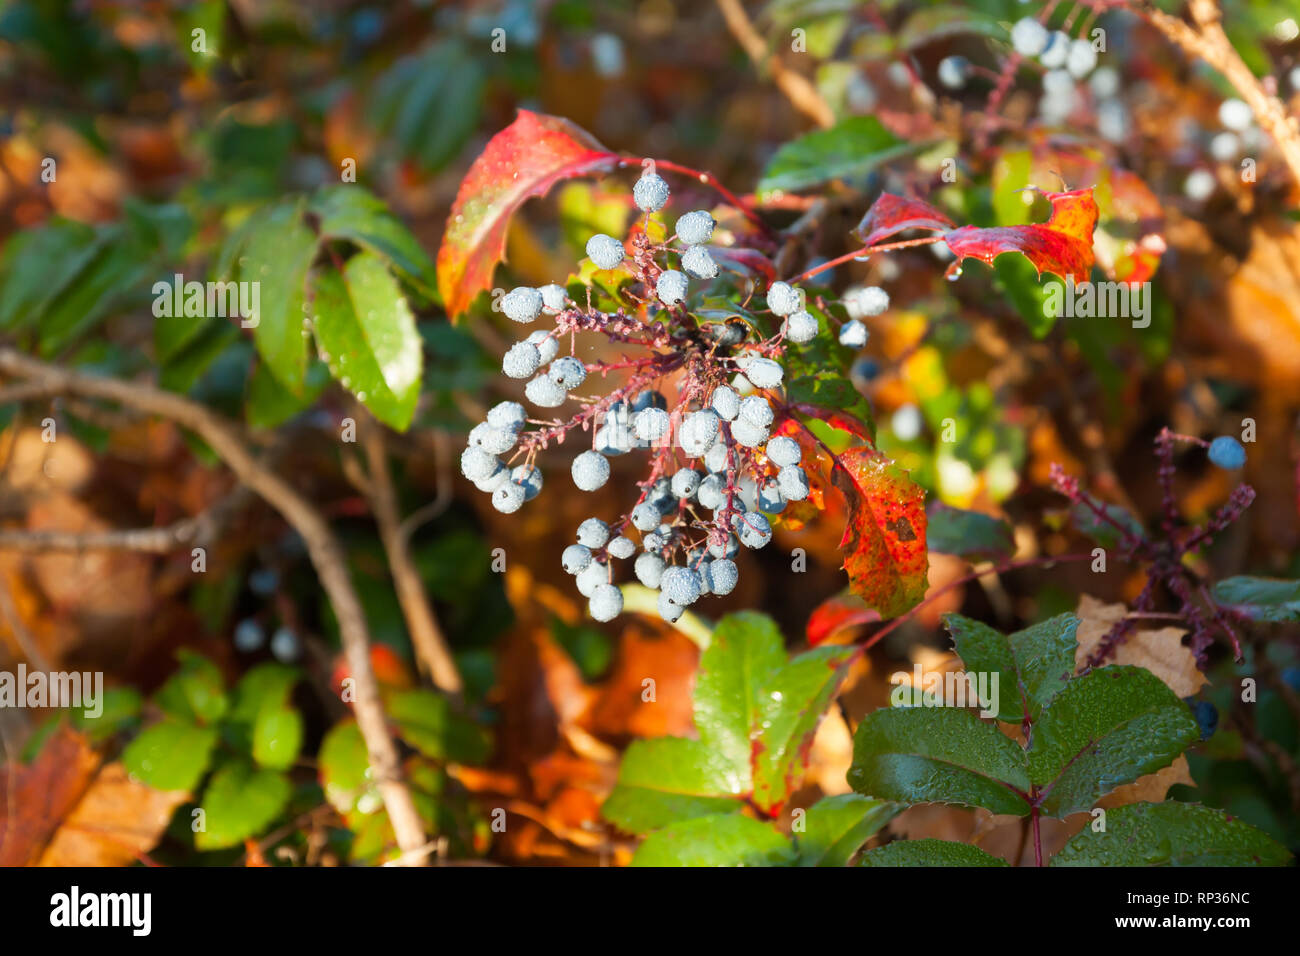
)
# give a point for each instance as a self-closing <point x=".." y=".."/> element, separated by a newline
<point x="322" y="545"/>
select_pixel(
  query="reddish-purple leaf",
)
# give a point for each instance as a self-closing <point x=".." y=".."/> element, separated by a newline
<point x="837" y="614"/>
<point x="525" y="159"/>
<point x="884" y="539"/>
<point x="892" y="214"/>
<point x="1062" y="245"/>
<point x="739" y="259"/>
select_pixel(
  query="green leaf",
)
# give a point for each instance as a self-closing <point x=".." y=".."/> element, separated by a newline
<point x="277" y="737"/>
<point x="928" y="852"/>
<point x="270" y="404"/>
<point x="1261" y="599"/>
<point x="345" y="770"/>
<point x="367" y="336"/>
<point x="745" y="654"/>
<point x="239" y="802"/>
<point x="935" y="23"/>
<point x="668" y="779"/>
<point x="836" y="827"/>
<point x="938" y="755"/>
<point x="119" y="708"/>
<point x="1171" y="834"/>
<point x="1032" y="665"/>
<point x="195" y="692"/>
<point x="171" y="755"/>
<point x="1104" y="533"/>
<point x="352" y="213"/>
<point x="1027" y="292"/>
<point x="278" y="253"/>
<point x="103" y="285"/>
<point x="1106" y="728"/>
<point x="848" y="150"/>
<point x="719" y="840"/>
<point x="968" y="534"/>
<point x="426" y="721"/>
<point x="792" y="704"/>
<point x="38" y="264"/>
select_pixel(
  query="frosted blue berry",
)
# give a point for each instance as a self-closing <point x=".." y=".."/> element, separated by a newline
<point x="509" y="416"/>
<point x="800" y="327"/>
<point x="249" y="635"/>
<point x="285" y="646"/>
<point x="606" y="602"/>
<point x="1081" y="59"/>
<point x="654" y="542"/>
<point x="543" y="392"/>
<point x="575" y="558"/>
<point x="1057" y="50"/>
<point x="648" y="399"/>
<point x="593" y="533"/>
<point x="715" y="459"/>
<point x="499" y="476"/>
<point x="650" y="192"/>
<point x="783" y="450"/>
<point x="554" y="298"/>
<point x="754" y="529"/>
<point x="783" y="298"/>
<point x="866" y="301"/>
<point x="1236" y="115"/>
<point x="671" y="287"/>
<point x="701" y="566"/>
<point x="1029" y="37"/>
<point x="645" y="517"/>
<point x="528" y="477"/>
<point x="695" y="228"/>
<point x="748" y="434"/>
<point x="712" y="492"/>
<point x="476" y="464"/>
<point x="509" y="498"/>
<point x="1227" y="453"/>
<point x="793" y="482"/>
<point x="686" y="482"/>
<point x="756" y="410"/>
<point x="614" y="439"/>
<point x="621" y="547"/>
<point x="651" y="424"/>
<point x="682" y="586"/>
<point x="953" y="71"/>
<point x="698" y="432"/>
<point x="521" y="360"/>
<point x="723" y="575"/>
<point x="605" y="251"/>
<point x="590" y="470"/>
<point x="669" y="611"/>
<point x="853" y="334"/>
<point x="591" y="577"/>
<point x="764" y="373"/>
<point x="725" y="402"/>
<point x="522" y="304"/>
<point x="494" y="441"/>
<point x="649" y="568"/>
<point x="548" y="346"/>
<point x="725" y="549"/>
<point x="697" y="263"/>
<point x="567" y="372"/>
<point x="769" y="497"/>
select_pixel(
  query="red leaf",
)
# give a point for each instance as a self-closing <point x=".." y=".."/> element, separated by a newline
<point x="884" y="540"/>
<point x="891" y="214"/>
<point x="837" y="614"/>
<point x="837" y="419"/>
<point x="525" y="159"/>
<point x="1062" y="245"/>
<point x="744" y="261"/>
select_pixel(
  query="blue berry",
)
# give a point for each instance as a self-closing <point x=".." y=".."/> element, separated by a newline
<point x="567" y="372"/>
<point x="528" y="477"/>
<point x="508" y="498"/>
<point x="793" y="482"/>
<point x="725" y="402"/>
<point x="614" y="439"/>
<point x="784" y="299"/>
<point x="575" y="558"/>
<point x="695" y="228"/>
<point x="285" y="646"/>
<point x="953" y="71"/>
<point x="522" y="304"/>
<point x="548" y="346"/>
<point x="590" y="470"/>
<point x="764" y="373"/>
<point x="697" y="263"/>
<point x="499" y="476"/>
<point x="544" y="393"/>
<point x="669" y="611"/>
<point x="1029" y="37"/>
<point x="605" y="251"/>
<point x="650" y="192"/>
<point x="866" y="301"/>
<point x="554" y="298"/>
<point x="1057" y="50"/>
<point x="712" y="492"/>
<point x="800" y="327"/>
<point x="729" y="549"/>
<point x="494" y="441"/>
<point x="249" y="635"/>
<point x="648" y="399"/>
<point x="651" y="424"/>
<point x="685" y="482"/>
<point x="671" y="287"/>
<point x="754" y="529"/>
<point x="521" y="360"/>
<point x="509" y="416"/>
<point x="606" y="602"/>
<point x="645" y="517"/>
<point x="756" y="410"/>
<point x="770" y="498"/>
<point x="853" y="334"/>
<point x="698" y="432"/>
<point x="649" y="569"/>
<point x="715" y="459"/>
<point x="783" y="451"/>
<point x="723" y="575"/>
<point x="682" y="586"/>
<point x="747" y="433"/>
<point x="593" y="533"/>
<point x="1206" y="714"/>
<point x="1227" y="453"/>
<point x="622" y="547"/>
<point x="476" y="464"/>
<point x="591" y="577"/>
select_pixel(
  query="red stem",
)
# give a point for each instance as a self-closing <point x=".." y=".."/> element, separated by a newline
<point x="710" y="180"/>
<point x="865" y="251"/>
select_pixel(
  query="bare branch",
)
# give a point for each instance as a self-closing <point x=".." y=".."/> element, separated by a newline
<point x="796" y="87"/>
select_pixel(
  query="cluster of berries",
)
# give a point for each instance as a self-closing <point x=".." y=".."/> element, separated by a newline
<point x="719" y="466"/>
